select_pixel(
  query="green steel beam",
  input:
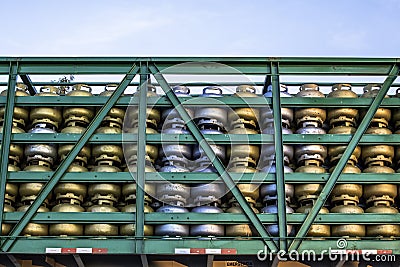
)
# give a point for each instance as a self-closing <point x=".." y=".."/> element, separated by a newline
<point x="27" y="81"/>
<point x="343" y="160"/>
<point x="192" y="218"/>
<point x="141" y="154"/>
<point x="215" y="160"/>
<point x="232" y="101"/>
<point x="6" y="137"/>
<point x="61" y="169"/>
<point x="278" y="142"/>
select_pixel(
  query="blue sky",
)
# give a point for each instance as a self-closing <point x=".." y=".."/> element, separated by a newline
<point x="366" y="28"/>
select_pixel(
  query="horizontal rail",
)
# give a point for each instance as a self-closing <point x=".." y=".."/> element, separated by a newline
<point x="197" y="177"/>
<point x="192" y="218"/>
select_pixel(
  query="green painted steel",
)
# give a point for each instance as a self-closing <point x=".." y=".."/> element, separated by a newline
<point x="62" y="168"/>
<point x="278" y="142"/>
<point x="6" y="137"/>
<point x="203" y="143"/>
<point x="323" y="196"/>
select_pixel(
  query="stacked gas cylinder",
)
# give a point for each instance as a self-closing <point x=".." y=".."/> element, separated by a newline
<point x="178" y="157"/>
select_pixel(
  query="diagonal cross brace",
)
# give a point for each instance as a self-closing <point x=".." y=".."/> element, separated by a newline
<point x="6" y="138"/>
<point x="62" y="168"/>
<point x="215" y="160"/>
<point x="305" y="227"/>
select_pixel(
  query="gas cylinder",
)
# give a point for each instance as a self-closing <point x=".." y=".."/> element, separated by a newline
<point x="5" y="227"/>
<point x="171" y="114"/>
<point x="380" y="192"/>
<point x="352" y="230"/>
<point x="107" y="153"/>
<point x="317" y="153"/>
<point x="16" y="152"/>
<point x="207" y="193"/>
<point x="75" y="191"/>
<point x="382" y="153"/>
<point x="153" y="114"/>
<point x="101" y="229"/>
<point x="304" y="192"/>
<point x="11" y="192"/>
<point x="78" y="116"/>
<point x="104" y="191"/>
<point x="83" y="155"/>
<point x="316" y="230"/>
<point x="49" y="117"/>
<point x="115" y="117"/>
<point x="273" y="229"/>
<point x="246" y="115"/>
<point x="382" y="115"/>
<point x="336" y="152"/>
<point x="383" y="230"/>
<point x="268" y="192"/>
<point x="129" y="229"/>
<point x="173" y="193"/>
<point x="219" y="150"/>
<point x="20" y="114"/>
<point x="243" y="150"/>
<point x="29" y="191"/>
<point x="212" y="114"/>
<point x="207" y="230"/>
<point x="342" y="116"/>
<point x="35" y="229"/>
<point x="239" y="230"/>
<point x="68" y="229"/>
<point x="344" y="192"/>
<point x="129" y="189"/>
<point x="44" y="153"/>
<point x="248" y="190"/>
<point x="268" y="150"/>
<point x="171" y="229"/>
<point x="177" y="149"/>
<point x="130" y="149"/>
<point x="310" y="116"/>
<point x="267" y="116"/>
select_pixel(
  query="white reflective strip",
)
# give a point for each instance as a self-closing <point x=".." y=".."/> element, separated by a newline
<point x="53" y="250"/>
<point x="84" y="250"/>
<point x="182" y="251"/>
<point x="338" y="251"/>
<point x="213" y="251"/>
<point x="369" y="251"/>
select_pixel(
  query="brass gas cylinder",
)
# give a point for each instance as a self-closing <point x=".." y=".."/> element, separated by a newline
<point x="246" y="114"/>
<point x="239" y="230"/>
<point x="379" y="192"/>
<point x="344" y="192"/>
<point x="101" y="229"/>
<point x="316" y="230"/>
<point x="304" y="192"/>
<point x="35" y="229"/>
<point x="243" y="166"/>
<point x="83" y="155"/>
<point x="68" y="229"/>
<point x="243" y="150"/>
<point x="129" y="229"/>
<point x="16" y="153"/>
<point x="77" y="115"/>
<point x="11" y="192"/>
<point x="107" y="153"/>
<point x="103" y="191"/>
<point x="153" y="115"/>
<point x="29" y="191"/>
<point x="382" y="115"/>
<point x="129" y="189"/>
<point x="311" y="167"/>
<point x="49" y="116"/>
<point x="310" y="116"/>
<point x="76" y="191"/>
<point x="336" y="152"/>
<point x="20" y="114"/>
<point x="5" y="227"/>
<point x="383" y="230"/>
<point x="267" y="115"/>
<point x="115" y="117"/>
<point x="131" y="149"/>
<point x="383" y="153"/>
<point x="352" y="230"/>
<point x="341" y="116"/>
<point x="378" y="130"/>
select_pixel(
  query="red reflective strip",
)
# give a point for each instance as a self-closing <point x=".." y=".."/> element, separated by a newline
<point x="387" y="251"/>
<point x="354" y="251"/>
<point x="100" y="250"/>
<point x="68" y="250"/>
<point x="197" y="251"/>
<point x="228" y="251"/>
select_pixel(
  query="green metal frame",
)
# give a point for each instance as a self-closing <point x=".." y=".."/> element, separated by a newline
<point x="273" y="67"/>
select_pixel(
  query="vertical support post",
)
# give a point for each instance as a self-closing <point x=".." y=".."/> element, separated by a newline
<point x="279" y="176"/>
<point x="205" y="146"/>
<point x="7" y="130"/>
<point x="305" y="227"/>
<point x="62" y="168"/>
<point x="141" y="143"/>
